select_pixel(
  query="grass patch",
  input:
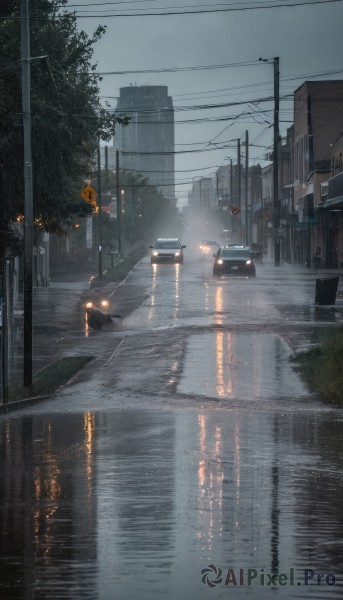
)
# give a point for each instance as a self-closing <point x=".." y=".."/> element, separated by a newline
<point x="322" y="368"/>
<point x="49" y="379"/>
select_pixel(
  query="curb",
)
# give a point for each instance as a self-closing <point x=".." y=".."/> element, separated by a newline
<point x="19" y="404"/>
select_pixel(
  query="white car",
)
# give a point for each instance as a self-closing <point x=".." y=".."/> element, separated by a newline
<point x="167" y="250"/>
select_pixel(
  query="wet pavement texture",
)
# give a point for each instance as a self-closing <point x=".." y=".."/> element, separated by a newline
<point x="60" y="326"/>
<point x="187" y="448"/>
<point x="135" y="504"/>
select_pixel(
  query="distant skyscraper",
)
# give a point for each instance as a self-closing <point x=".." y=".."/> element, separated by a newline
<point x="146" y="144"/>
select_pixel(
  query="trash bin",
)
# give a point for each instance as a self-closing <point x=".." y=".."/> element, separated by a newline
<point x="326" y="290"/>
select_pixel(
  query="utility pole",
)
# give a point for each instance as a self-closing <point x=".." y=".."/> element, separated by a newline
<point x="231" y="182"/>
<point x="4" y="330"/>
<point x="246" y="187"/>
<point x="132" y="206"/>
<point x="239" y="185"/>
<point x="99" y="214"/>
<point x="229" y="218"/>
<point x="276" y="203"/>
<point x="118" y="203"/>
<point x="28" y="190"/>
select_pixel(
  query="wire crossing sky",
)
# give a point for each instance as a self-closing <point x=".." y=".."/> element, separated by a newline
<point x="207" y="54"/>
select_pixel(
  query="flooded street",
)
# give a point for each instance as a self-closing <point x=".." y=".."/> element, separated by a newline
<point x="189" y="455"/>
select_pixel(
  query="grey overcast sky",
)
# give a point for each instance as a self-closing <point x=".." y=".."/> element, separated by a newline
<point x="306" y="37"/>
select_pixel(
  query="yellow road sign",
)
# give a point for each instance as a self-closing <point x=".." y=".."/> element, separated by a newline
<point x="89" y="194"/>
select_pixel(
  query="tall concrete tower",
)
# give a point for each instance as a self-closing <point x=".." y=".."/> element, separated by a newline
<point x="146" y="144"/>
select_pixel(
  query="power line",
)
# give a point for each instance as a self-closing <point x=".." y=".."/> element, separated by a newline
<point x="178" y="69"/>
<point x="233" y="8"/>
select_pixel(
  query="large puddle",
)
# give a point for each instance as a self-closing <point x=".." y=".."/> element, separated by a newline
<point x="230" y="365"/>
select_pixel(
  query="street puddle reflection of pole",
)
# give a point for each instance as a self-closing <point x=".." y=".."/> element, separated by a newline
<point x="210" y="483"/>
<point x="224" y="363"/>
<point x="218" y="305"/>
<point x="275" y="511"/>
<point x="89" y="426"/>
<point x="177" y="290"/>
<point x="151" y="314"/>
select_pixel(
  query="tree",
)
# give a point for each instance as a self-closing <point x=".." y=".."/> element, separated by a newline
<point x="67" y="116"/>
<point x="146" y="212"/>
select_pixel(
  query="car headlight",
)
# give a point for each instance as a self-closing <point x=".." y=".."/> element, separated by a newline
<point x="219" y="261"/>
<point x="89" y="305"/>
<point x="177" y="253"/>
<point x="248" y="262"/>
<point x="155" y="253"/>
<point x="104" y="303"/>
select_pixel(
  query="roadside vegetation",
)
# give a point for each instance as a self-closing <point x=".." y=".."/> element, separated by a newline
<point x="120" y="268"/>
<point x="51" y="378"/>
<point x="68" y="119"/>
<point x="322" y="368"/>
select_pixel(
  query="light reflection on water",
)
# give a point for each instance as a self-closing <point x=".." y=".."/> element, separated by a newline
<point x="135" y="504"/>
<point x="239" y="365"/>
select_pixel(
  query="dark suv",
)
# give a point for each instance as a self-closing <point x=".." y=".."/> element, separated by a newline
<point x="234" y="260"/>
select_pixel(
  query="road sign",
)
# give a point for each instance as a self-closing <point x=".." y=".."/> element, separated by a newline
<point x="89" y="194"/>
<point x="234" y="210"/>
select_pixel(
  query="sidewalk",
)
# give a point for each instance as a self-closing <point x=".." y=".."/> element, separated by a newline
<point x="59" y="327"/>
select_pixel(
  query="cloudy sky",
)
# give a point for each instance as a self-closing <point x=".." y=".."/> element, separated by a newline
<point x="228" y="37"/>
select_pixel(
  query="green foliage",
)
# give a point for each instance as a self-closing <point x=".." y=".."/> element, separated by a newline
<point x="322" y="368"/>
<point x="146" y="212"/>
<point x="67" y="117"/>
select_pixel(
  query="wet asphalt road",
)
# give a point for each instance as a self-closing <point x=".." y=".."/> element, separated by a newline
<point x="189" y="448"/>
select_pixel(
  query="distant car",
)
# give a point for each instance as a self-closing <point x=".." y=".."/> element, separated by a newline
<point x="234" y="260"/>
<point x="167" y="250"/>
<point x="209" y="246"/>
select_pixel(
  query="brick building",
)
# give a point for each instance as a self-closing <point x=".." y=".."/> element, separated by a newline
<point x="318" y="122"/>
